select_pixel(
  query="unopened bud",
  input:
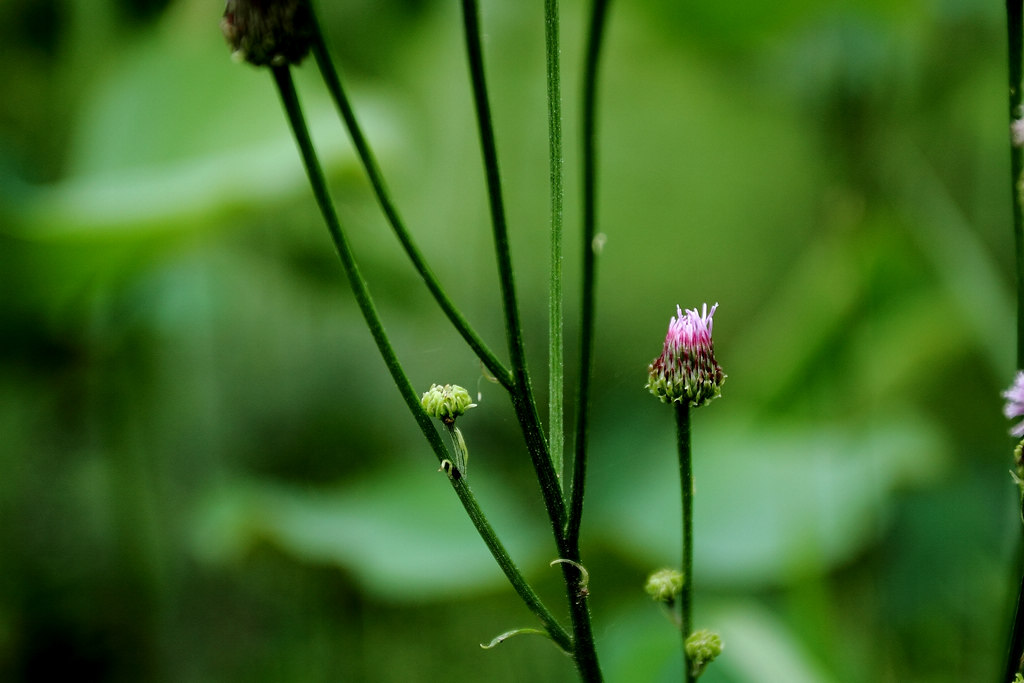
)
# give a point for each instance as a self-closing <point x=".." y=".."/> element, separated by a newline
<point x="701" y="649"/>
<point x="665" y="585"/>
<point x="269" y="32"/>
<point x="446" y="402"/>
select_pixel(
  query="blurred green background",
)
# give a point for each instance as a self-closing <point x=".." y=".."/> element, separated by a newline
<point x="206" y="475"/>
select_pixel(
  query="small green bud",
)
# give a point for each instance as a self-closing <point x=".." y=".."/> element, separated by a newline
<point x="665" y="585"/>
<point x="446" y="402"/>
<point x="701" y="649"/>
<point x="1018" y="459"/>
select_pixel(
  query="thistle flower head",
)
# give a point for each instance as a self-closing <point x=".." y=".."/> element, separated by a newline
<point x="269" y="32"/>
<point x="446" y="402"/>
<point x="665" y="585"/>
<point x="702" y="647"/>
<point x="1014" y="407"/>
<point x="687" y="370"/>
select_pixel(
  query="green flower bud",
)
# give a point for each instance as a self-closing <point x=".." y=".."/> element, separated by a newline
<point x="1018" y="459"/>
<point x="701" y="649"/>
<point x="665" y="585"/>
<point x="446" y="402"/>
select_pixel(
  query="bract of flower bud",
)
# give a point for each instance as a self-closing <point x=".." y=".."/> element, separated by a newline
<point x="701" y="649"/>
<point x="665" y="585"/>
<point x="269" y="32"/>
<point x="687" y="370"/>
<point x="446" y="402"/>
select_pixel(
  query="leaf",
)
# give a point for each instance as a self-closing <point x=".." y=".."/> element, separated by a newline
<point x="400" y="532"/>
<point x="774" y="503"/>
<point x="498" y="640"/>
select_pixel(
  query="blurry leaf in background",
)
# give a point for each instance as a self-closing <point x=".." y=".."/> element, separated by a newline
<point x="774" y="505"/>
<point x="399" y="532"/>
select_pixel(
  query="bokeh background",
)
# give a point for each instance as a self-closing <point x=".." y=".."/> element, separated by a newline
<point x="206" y="475"/>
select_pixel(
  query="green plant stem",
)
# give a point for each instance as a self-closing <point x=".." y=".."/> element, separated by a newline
<point x="556" y="365"/>
<point x="584" y="653"/>
<point x="522" y="395"/>
<point x="1015" y="55"/>
<point x="1014" y="25"/>
<point x="590" y="80"/>
<point x="686" y="485"/>
<point x="387" y="205"/>
<point x="290" y="100"/>
<point x="504" y="560"/>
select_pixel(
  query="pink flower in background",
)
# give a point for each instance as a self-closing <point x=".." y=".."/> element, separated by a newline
<point x="1014" y="407"/>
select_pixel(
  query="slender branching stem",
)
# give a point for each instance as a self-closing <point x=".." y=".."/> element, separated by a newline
<point x="289" y="98"/>
<point x="686" y="485"/>
<point x="556" y="365"/>
<point x="593" y="52"/>
<point x="1014" y="25"/>
<point x="584" y="653"/>
<point x="522" y="396"/>
<point x="1015" y="54"/>
<point x="387" y="205"/>
<point x="504" y="560"/>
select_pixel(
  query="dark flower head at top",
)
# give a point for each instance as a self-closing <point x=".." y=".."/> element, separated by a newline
<point x="269" y="32"/>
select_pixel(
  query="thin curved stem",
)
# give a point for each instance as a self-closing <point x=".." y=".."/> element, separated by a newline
<point x="1015" y="55"/>
<point x="1014" y="26"/>
<point x="556" y="364"/>
<point x="686" y="486"/>
<point x="522" y="395"/>
<point x="504" y="560"/>
<point x="590" y="80"/>
<point x="289" y="98"/>
<point x="387" y="205"/>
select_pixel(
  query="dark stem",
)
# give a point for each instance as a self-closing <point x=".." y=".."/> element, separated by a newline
<point x="1015" y="26"/>
<point x="1014" y="658"/>
<point x="1015" y="36"/>
<point x="584" y="651"/>
<point x="686" y="485"/>
<point x="373" y="173"/>
<point x="290" y="100"/>
<point x="522" y="396"/>
<point x="504" y="560"/>
<point x="579" y="470"/>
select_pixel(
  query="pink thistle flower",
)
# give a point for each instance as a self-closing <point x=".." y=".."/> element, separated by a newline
<point x="1015" y="404"/>
<point x="687" y="370"/>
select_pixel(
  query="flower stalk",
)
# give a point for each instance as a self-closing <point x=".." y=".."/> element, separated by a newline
<point x="595" y="37"/>
<point x="682" y="410"/>
<point x="687" y="375"/>
<point x="372" y="169"/>
<point x="1015" y="54"/>
<point x="293" y="110"/>
<point x="278" y="34"/>
<point x="556" y="366"/>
